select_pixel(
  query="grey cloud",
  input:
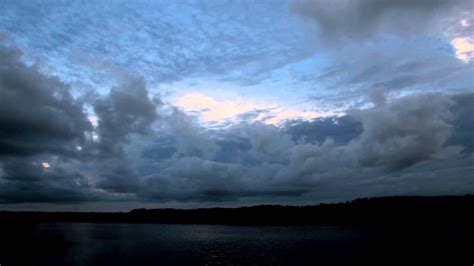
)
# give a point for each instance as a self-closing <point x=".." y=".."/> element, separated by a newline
<point x="368" y="19"/>
<point x="398" y="139"/>
<point x="267" y="142"/>
<point x="394" y="136"/>
<point x="397" y="45"/>
<point x="405" y="138"/>
<point x="26" y="180"/>
<point x="115" y="175"/>
<point x="37" y="113"/>
<point x="404" y="132"/>
<point x="190" y="138"/>
<point x="127" y="109"/>
<point x="234" y="149"/>
<point x="41" y="122"/>
<point x="194" y="178"/>
<point x="463" y="122"/>
<point x="142" y="156"/>
<point x="125" y="115"/>
<point x="401" y="66"/>
<point x="340" y="129"/>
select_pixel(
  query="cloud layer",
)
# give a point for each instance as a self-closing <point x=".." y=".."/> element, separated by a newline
<point x="149" y="152"/>
<point x="85" y="115"/>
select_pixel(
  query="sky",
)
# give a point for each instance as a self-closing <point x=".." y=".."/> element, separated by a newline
<point x="115" y="105"/>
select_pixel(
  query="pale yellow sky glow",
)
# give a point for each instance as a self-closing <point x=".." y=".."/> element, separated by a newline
<point x="45" y="165"/>
<point x="464" y="47"/>
<point x="213" y="110"/>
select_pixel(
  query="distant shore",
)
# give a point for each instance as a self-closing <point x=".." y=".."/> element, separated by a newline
<point x="366" y="211"/>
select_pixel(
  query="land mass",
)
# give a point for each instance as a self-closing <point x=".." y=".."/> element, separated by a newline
<point x="404" y="210"/>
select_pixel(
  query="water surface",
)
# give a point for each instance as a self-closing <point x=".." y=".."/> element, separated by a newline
<point x="162" y="244"/>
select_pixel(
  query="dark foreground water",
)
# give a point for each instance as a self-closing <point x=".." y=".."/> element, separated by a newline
<point x="159" y="244"/>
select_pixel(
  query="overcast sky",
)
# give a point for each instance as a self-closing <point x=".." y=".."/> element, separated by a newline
<point x="115" y="105"/>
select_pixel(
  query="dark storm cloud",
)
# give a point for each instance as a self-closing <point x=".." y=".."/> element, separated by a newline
<point x="37" y="113"/>
<point x="47" y="149"/>
<point x="26" y="180"/>
<point x="367" y="19"/>
<point x="125" y="112"/>
<point x="127" y="109"/>
<point x="39" y="121"/>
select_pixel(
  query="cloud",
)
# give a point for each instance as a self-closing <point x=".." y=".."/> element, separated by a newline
<point x="341" y="129"/>
<point x="385" y="146"/>
<point x="125" y="116"/>
<point x="25" y="179"/>
<point x="146" y="151"/>
<point x="125" y="110"/>
<point x="41" y="126"/>
<point x="399" y="66"/>
<point x="342" y="21"/>
<point x="45" y="131"/>
<point x="463" y="122"/>
<point x="92" y="44"/>
<point x="404" y="47"/>
<point x="37" y="114"/>
<point x="189" y="137"/>
<point x="403" y="133"/>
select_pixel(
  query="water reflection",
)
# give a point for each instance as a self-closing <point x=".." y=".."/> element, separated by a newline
<point x="158" y="244"/>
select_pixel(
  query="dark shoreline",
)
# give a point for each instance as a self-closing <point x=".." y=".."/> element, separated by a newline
<point x="406" y="210"/>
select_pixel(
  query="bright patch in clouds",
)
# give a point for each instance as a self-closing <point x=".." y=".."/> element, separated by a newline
<point x="464" y="48"/>
<point x="45" y="165"/>
<point x="212" y="110"/>
<point x="465" y="23"/>
<point x="94" y="120"/>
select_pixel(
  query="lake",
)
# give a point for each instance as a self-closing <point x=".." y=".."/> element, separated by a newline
<point x="163" y="244"/>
